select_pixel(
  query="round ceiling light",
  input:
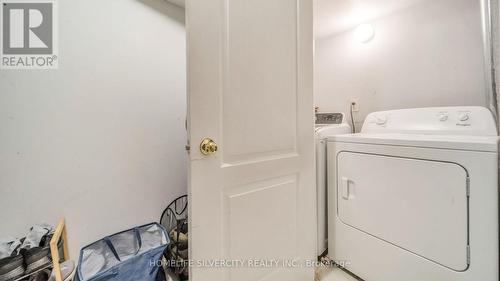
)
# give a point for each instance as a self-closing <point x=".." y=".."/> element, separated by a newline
<point x="364" y="33"/>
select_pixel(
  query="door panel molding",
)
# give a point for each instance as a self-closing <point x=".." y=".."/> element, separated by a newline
<point x="272" y="74"/>
<point x="261" y="221"/>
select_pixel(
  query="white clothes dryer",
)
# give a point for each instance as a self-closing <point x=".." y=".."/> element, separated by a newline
<point x="414" y="196"/>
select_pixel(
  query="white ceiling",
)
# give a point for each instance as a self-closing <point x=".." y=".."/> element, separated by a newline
<point x="334" y="16"/>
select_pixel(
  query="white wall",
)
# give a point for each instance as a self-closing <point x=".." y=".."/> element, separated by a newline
<point x="430" y="54"/>
<point x="101" y="140"/>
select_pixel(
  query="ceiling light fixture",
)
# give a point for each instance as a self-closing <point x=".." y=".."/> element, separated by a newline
<point x="364" y="33"/>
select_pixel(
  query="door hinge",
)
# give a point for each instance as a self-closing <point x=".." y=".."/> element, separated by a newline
<point x="188" y="147"/>
<point x="467" y="183"/>
<point x="468" y="254"/>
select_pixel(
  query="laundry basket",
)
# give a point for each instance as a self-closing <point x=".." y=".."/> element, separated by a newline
<point x="131" y="255"/>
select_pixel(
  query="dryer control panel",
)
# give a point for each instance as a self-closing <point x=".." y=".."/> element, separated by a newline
<point x="456" y="120"/>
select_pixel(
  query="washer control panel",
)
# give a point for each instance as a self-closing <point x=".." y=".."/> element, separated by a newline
<point x="329" y="118"/>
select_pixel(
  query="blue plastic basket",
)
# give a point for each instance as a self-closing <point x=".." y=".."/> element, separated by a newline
<point x="134" y="255"/>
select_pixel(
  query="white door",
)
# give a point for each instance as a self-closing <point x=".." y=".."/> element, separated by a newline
<point x="250" y="91"/>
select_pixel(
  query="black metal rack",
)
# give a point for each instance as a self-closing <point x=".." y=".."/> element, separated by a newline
<point x="175" y="221"/>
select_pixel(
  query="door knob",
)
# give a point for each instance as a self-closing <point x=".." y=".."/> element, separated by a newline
<point x="208" y="146"/>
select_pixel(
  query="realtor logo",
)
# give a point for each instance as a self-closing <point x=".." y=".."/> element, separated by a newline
<point x="28" y="35"/>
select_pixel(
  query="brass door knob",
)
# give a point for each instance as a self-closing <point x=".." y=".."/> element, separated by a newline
<point x="208" y="146"/>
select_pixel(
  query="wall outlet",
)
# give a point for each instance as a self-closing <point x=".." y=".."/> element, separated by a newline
<point x="355" y="107"/>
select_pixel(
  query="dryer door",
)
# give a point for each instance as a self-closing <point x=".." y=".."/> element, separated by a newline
<point x="419" y="206"/>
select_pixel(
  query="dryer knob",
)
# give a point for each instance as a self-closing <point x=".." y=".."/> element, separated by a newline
<point x="464" y="116"/>
<point x="381" y="120"/>
<point x="443" y="117"/>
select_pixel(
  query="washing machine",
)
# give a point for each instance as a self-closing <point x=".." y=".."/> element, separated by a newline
<point x="327" y="124"/>
<point x="414" y="196"/>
